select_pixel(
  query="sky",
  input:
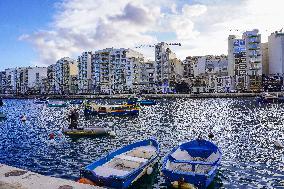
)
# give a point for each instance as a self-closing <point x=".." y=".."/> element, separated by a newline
<point x="39" y="32"/>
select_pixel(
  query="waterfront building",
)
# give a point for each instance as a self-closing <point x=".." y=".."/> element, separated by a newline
<point x="65" y="70"/>
<point x="244" y="61"/>
<point x="272" y="83"/>
<point x="116" y="70"/>
<point x="85" y="73"/>
<point x="276" y="53"/>
<point x="265" y="58"/>
<point x="2" y="82"/>
<point x="168" y="68"/>
<point x="9" y="80"/>
<point x="148" y="77"/>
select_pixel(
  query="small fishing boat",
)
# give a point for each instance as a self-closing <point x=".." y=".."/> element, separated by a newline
<point x="269" y="98"/>
<point x="81" y="132"/>
<point x="144" y="102"/>
<point x="115" y="110"/>
<point x="57" y="104"/>
<point x="192" y="163"/>
<point x="76" y="101"/>
<point x="40" y="100"/>
<point x="124" y="166"/>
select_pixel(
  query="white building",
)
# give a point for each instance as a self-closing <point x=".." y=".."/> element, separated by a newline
<point x="85" y="73"/>
<point x="66" y="69"/>
<point x="116" y="70"/>
<point x="245" y="61"/>
<point x="265" y="58"/>
<point x="168" y="68"/>
<point x="276" y="53"/>
<point x="10" y="81"/>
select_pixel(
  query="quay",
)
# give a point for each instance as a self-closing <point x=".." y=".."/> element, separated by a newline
<point x="155" y="96"/>
<point x="14" y="178"/>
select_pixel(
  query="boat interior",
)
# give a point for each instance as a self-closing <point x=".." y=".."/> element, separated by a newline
<point x="181" y="155"/>
<point x="126" y="162"/>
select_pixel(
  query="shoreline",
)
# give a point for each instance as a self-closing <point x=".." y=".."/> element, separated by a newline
<point x="15" y="178"/>
<point x="153" y="96"/>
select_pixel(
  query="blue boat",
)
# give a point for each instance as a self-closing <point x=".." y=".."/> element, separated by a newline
<point x="40" y="100"/>
<point x="76" y="101"/>
<point x="57" y="104"/>
<point x="269" y="98"/>
<point x="145" y="102"/>
<point x="93" y="109"/>
<point x="121" y="168"/>
<point x="192" y="163"/>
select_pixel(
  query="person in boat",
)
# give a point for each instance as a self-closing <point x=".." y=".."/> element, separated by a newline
<point x="73" y="117"/>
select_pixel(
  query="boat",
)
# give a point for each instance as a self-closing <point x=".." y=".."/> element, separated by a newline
<point x="40" y="100"/>
<point x="81" y="132"/>
<point x="76" y="101"/>
<point x="269" y="98"/>
<point x="144" y="102"/>
<point x="121" y="168"/>
<point x="192" y="163"/>
<point x="57" y="104"/>
<point x="114" y="110"/>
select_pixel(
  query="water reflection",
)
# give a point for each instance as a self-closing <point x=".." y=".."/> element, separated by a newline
<point x="243" y="130"/>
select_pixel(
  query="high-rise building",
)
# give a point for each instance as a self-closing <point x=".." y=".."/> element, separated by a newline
<point x="276" y="53"/>
<point x="168" y="67"/>
<point x="244" y="61"/>
<point x="116" y="70"/>
<point x="65" y="69"/>
<point x="85" y="73"/>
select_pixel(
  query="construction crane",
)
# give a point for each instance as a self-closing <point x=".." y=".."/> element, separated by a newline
<point x="171" y="44"/>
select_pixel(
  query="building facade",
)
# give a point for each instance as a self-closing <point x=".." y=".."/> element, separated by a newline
<point x="85" y="73"/>
<point x="276" y="53"/>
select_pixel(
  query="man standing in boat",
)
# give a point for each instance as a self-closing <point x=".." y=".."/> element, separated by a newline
<point x="73" y="117"/>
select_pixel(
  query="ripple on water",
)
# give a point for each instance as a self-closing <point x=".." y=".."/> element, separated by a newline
<point x="243" y="130"/>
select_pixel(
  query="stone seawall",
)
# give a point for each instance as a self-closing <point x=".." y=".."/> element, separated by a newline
<point x="125" y="96"/>
<point x="14" y="178"/>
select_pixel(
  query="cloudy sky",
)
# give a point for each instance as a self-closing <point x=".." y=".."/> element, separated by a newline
<point x="34" y="32"/>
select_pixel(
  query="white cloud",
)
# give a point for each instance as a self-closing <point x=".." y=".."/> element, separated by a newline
<point x="202" y="26"/>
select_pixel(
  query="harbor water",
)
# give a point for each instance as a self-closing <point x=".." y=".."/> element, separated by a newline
<point x="244" y="131"/>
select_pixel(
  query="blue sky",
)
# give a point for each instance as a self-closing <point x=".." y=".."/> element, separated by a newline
<point x="39" y="32"/>
<point x="18" y="17"/>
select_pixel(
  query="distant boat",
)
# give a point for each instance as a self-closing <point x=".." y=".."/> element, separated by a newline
<point x="40" y="100"/>
<point x="192" y="163"/>
<point x="123" y="167"/>
<point x="114" y="110"/>
<point x="269" y="98"/>
<point x="144" y="102"/>
<point x="57" y="104"/>
<point x="76" y="101"/>
<point x="82" y="132"/>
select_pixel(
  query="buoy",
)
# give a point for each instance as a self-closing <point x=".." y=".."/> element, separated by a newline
<point x="149" y="170"/>
<point x="278" y="144"/>
<point x="23" y="118"/>
<point x="86" y="181"/>
<point x="51" y="136"/>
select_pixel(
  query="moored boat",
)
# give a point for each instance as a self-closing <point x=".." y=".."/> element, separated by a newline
<point x="76" y="101"/>
<point x="123" y="167"/>
<point x="192" y="163"/>
<point x="81" y="132"/>
<point x="40" y="100"/>
<point x="144" y="102"/>
<point x="269" y="98"/>
<point x="57" y="104"/>
<point x="115" y="110"/>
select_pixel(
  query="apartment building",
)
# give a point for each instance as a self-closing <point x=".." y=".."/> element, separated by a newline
<point x="66" y="69"/>
<point x="2" y="82"/>
<point x="168" y="68"/>
<point x="148" y="77"/>
<point x="276" y="53"/>
<point x="85" y="73"/>
<point x="116" y="70"/>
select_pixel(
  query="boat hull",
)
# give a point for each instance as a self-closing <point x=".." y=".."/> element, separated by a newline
<point x="76" y="102"/>
<point x="85" y="132"/>
<point x="88" y="112"/>
<point x="57" y="105"/>
<point x="121" y="182"/>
